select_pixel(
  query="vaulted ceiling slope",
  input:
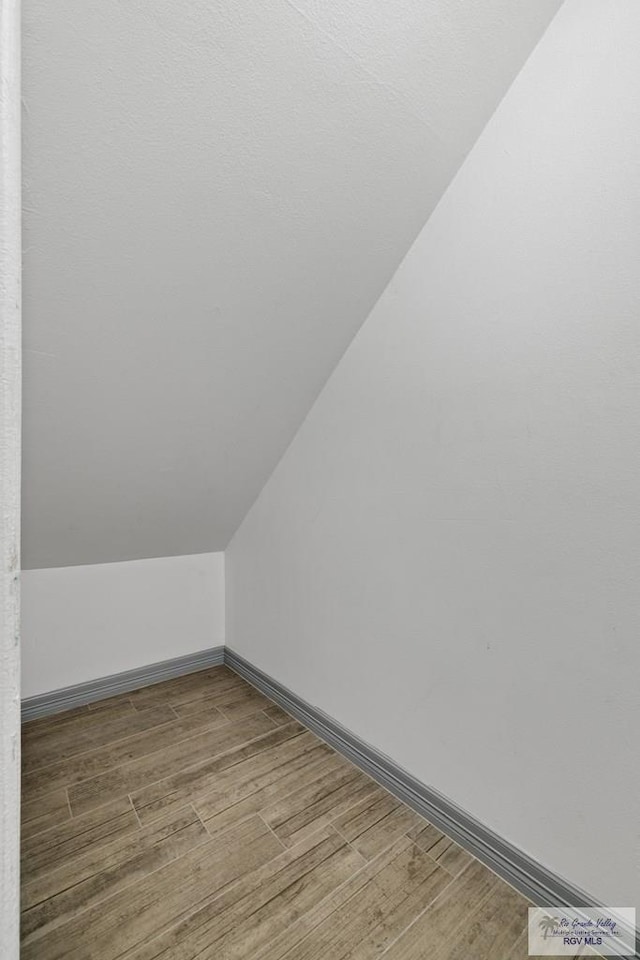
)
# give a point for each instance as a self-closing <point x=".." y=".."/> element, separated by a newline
<point x="216" y="193"/>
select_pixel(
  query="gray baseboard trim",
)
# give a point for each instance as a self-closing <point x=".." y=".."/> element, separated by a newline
<point x="82" y="693"/>
<point x="528" y="876"/>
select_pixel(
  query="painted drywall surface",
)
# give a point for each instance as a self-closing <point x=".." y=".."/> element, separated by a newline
<point x="10" y="376"/>
<point x="447" y="558"/>
<point x="81" y="623"/>
<point x="215" y="196"/>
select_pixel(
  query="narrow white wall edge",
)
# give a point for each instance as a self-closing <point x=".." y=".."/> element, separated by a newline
<point x="10" y="396"/>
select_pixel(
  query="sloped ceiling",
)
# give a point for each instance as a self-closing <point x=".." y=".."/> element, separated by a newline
<point x="216" y="193"/>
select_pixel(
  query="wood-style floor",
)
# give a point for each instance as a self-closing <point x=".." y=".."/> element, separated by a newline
<point x="195" y="818"/>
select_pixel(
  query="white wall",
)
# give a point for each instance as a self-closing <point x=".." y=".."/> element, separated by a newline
<point x="80" y="623"/>
<point x="257" y="169"/>
<point x="447" y="558"/>
<point x="10" y="376"/>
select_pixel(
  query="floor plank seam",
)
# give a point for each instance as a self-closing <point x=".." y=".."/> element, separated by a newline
<point x="274" y="722"/>
<point x="351" y="846"/>
<point x="133" y="807"/>
<point x="261" y="818"/>
<point x="454" y="876"/>
<point x="200" y="820"/>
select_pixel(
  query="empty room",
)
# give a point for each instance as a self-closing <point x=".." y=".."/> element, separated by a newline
<point x="319" y="479"/>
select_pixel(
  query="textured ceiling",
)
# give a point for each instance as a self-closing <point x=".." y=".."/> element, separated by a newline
<point x="215" y="196"/>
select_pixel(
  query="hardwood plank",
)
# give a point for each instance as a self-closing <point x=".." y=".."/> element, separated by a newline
<point x="357" y="886"/>
<point x="104" y="870"/>
<point x="90" y="731"/>
<point x="192" y="686"/>
<point x="44" y="812"/>
<point x="443" y="918"/>
<point x="376" y="822"/>
<point x="109" y="703"/>
<point x="46" y="726"/>
<point x="197" y="706"/>
<point x="488" y="933"/>
<point x="277" y="714"/>
<point x="224" y="695"/>
<point x="259" y="770"/>
<point x="92" y="763"/>
<point x="135" y="915"/>
<point x="365" y="925"/>
<point x="135" y="775"/>
<point x="61" y="843"/>
<point x="222" y="811"/>
<point x="188" y="783"/>
<point x="318" y="803"/>
<point x="244" y="703"/>
<point x="262" y="906"/>
<point x="443" y="850"/>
